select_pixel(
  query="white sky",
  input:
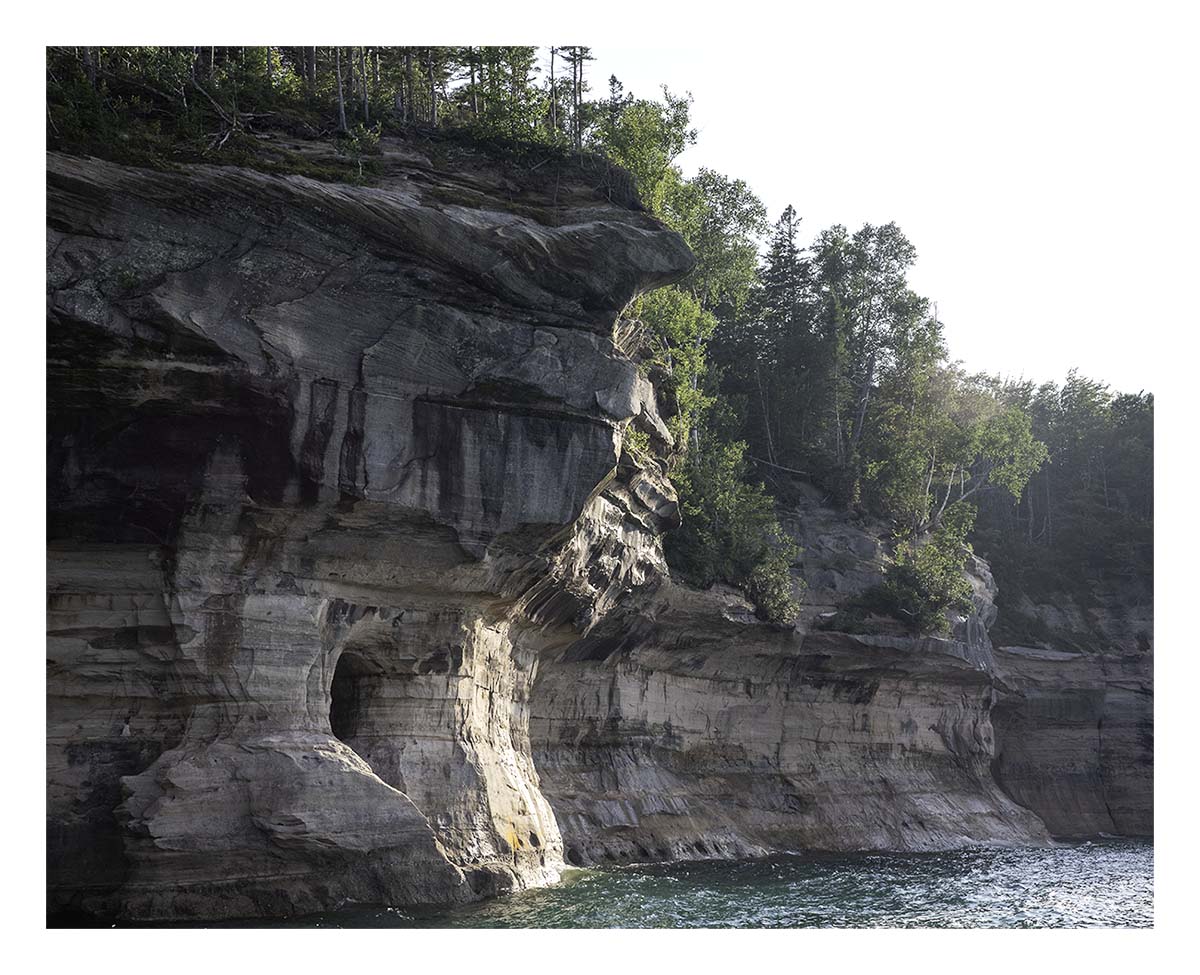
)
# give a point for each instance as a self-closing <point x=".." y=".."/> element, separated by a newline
<point x="1037" y="167"/>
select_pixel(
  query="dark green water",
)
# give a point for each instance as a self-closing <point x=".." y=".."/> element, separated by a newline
<point x="1109" y="884"/>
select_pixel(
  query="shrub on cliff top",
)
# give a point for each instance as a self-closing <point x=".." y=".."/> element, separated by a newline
<point x="925" y="581"/>
<point x="730" y="532"/>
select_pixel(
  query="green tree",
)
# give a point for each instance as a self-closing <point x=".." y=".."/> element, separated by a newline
<point x="1084" y="525"/>
<point x="730" y="532"/>
<point x="925" y="580"/>
<point x="644" y="138"/>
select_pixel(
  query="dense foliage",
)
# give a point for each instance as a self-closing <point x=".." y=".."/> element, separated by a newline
<point x="153" y="105"/>
<point x="843" y="376"/>
<point x="730" y="532"/>
<point x="777" y="361"/>
<point x="925" y="581"/>
<point x="1085" y="520"/>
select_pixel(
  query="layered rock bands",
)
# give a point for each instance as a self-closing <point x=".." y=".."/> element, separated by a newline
<point x="354" y="595"/>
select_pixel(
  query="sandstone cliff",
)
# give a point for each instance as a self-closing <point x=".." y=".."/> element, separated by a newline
<point x="311" y="451"/>
<point x="353" y="594"/>
<point x="690" y="729"/>
<point x="1075" y="738"/>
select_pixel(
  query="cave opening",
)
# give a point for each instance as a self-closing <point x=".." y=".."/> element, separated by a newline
<point x="348" y="696"/>
<point x="365" y="711"/>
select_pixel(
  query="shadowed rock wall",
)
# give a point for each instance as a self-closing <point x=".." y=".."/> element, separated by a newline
<point x="1075" y="739"/>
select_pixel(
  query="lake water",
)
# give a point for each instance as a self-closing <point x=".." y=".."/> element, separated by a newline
<point x="1106" y="884"/>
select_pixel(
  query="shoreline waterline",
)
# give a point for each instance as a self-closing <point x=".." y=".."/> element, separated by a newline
<point x="1096" y="883"/>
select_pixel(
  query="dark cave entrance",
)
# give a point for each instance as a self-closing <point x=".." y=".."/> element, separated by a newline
<point x="348" y="696"/>
<point x="364" y="714"/>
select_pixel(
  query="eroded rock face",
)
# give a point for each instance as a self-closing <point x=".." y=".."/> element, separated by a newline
<point x="689" y="729"/>
<point x="1075" y="738"/>
<point x="685" y="728"/>
<point x="314" y="451"/>
<point x="1074" y="715"/>
<point x="355" y="596"/>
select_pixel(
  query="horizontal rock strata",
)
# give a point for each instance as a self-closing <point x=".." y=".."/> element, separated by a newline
<point x="1075" y="739"/>
<point x="314" y="451"/>
<point x="354" y="595"/>
<point x="692" y="730"/>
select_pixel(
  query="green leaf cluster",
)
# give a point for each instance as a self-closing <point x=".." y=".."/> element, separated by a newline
<point x="925" y="581"/>
<point x="730" y="532"/>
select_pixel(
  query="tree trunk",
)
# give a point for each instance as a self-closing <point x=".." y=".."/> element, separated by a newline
<point x="837" y="425"/>
<point x="553" y="97"/>
<point x="762" y="396"/>
<point x="578" y="82"/>
<point x="474" y="89"/>
<point x="929" y="480"/>
<point x="864" y="397"/>
<point x="270" y="71"/>
<point x="691" y="419"/>
<point x="1049" y="521"/>
<point x="483" y="83"/>
<point x="341" y="95"/>
<point x="409" y="108"/>
<point x="432" y="89"/>
<point x="514" y="100"/>
<point x="837" y="395"/>
<point x="1029" y="502"/>
<point x="89" y="66"/>
<point x="401" y="98"/>
<point x="366" y="97"/>
<point x="933" y="523"/>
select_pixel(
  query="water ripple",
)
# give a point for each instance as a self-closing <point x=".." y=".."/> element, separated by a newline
<point x="1108" y="884"/>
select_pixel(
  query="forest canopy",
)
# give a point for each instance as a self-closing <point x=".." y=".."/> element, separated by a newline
<point x="782" y="361"/>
